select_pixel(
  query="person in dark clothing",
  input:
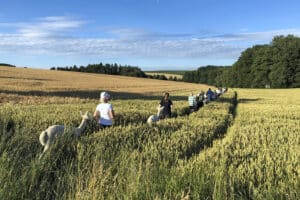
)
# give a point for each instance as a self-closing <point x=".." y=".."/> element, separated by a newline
<point x="210" y="94"/>
<point x="167" y="103"/>
<point x="199" y="103"/>
<point x="201" y="99"/>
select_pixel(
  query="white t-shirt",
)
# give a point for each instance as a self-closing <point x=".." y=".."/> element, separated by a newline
<point x="104" y="109"/>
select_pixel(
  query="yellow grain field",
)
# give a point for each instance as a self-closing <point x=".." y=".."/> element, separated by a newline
<point x="24" y="84"/>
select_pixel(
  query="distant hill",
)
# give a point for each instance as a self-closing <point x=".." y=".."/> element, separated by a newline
<point x="6" y="65"/>
<point x="167" y="75"/>
<point x="112" y="69"/>
<point x="176" y="72"/>
<point x="77" y="84"/>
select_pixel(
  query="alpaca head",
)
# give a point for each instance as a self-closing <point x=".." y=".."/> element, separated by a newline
<point x="43" y="138"/>
<point x="159" y="110"/>
<point x="86" y="116"/>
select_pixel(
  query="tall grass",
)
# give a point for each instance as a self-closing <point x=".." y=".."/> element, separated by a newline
<point x="220" y="152"/>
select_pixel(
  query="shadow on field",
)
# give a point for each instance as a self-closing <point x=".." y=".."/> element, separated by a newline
<point x="92" y="94"/>
<point x="34" y="79"/>
<point x="248" y="100"/>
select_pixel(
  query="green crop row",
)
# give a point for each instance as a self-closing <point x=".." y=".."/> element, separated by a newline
<point x="130" y="160"/>
<point x="141" y="172"/>
<point x="258" y="159"/>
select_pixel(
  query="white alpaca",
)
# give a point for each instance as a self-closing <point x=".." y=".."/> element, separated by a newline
<point x="47" y="136"/>
<point x="155" y="118"/>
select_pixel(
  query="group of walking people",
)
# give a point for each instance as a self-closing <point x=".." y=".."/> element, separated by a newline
<point x="197" y="101"/>
<point x="104" y="112"/>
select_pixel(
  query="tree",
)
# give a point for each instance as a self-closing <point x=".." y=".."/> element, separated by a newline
<point x="261" y="66"/>
<point x="286" y="61"/>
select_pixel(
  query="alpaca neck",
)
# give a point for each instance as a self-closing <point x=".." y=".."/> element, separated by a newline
<point x="158" y="113"/>
<point x="82" y="125"/>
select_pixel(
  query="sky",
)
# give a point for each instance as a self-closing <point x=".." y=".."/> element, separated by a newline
<point x="150" y="34"/>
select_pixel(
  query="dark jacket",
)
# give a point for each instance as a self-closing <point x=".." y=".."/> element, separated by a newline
<point x="167" y="106"/>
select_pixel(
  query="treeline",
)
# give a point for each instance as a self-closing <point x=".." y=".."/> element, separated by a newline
<point x="157" y="76"/>
<point x="211" y="75"/>
<point x="112" y="69"/>
<point x="6" y="65"/>
<point x="163" y="77"/>
<point x="275" y="65"/>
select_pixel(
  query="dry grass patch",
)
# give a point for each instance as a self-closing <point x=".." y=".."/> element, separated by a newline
<point x="38" y="82"/>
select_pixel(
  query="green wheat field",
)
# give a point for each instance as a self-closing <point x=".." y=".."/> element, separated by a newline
<point x="245" y="145"/>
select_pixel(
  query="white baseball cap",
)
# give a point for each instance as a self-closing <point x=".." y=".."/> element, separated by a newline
<point x="104" y="95"/>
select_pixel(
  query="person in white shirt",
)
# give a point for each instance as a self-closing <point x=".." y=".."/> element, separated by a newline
<point x="218" y="91"/>
<point x="104" y="112"/>
<point x="192" y="102"/>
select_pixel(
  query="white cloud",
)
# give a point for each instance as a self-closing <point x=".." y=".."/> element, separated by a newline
<point x="54" y="36"/>
<point x="44" y="27"/>
<point x="265" y="36"/>
<point x="136" y="34"/>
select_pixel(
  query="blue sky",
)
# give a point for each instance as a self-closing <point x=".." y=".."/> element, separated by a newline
<point x="151" y="34"/>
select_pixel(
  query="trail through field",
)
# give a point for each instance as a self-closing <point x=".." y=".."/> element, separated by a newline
<point x="258" y="158"/>
<point x="220" y="130"/>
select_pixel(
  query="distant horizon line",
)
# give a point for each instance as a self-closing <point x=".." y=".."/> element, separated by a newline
<point x="146" y="69"/>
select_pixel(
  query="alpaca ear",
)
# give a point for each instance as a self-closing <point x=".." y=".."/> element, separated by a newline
<point x="80" y="113"/>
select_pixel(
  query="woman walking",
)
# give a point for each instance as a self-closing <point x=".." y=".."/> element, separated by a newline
<point x="104" y="112"/>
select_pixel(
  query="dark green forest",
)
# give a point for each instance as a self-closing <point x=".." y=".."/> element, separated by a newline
<point x="113" y="69"/>
<point x="275" y="65"/>
<point x="6" y="65"/>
